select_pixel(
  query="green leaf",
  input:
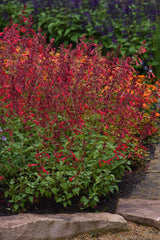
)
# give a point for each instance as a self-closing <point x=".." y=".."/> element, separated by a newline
<point x="66" y="42"/>
<point x="18" y="198"/>
<point x="6" y="194"/>
<point x="69" y="202"/>
<point x="98" y="179"/>
<point x="43" y="14"/>
<point x="116" y="188"/>
<point x="22" y="205"/>
<point x="75" y="38"/>
<point x="41" y="191"/>
<point x="65" y="204"/>
<point x="96" y="199"/>
<point x="77" y="16"/>
<point x="64" y="186"/>
<point x="50" y="27"/>
<point x="54" y="190"/>
<point x="66" y="32"/>
<point x="60" y="32"/>
<point x="96" y="153"/>
<point x="47" y="194"/>
<point x="132" y="49"/>
<point x="76" y="191"/>
<point x="69" y="195"/>
<point x="57" y="38"/>
<point x="111" y="189"/>
<point x="37" y="194"/>
<point x="31" y="199"/>
<point x="43" y="22"/>
<point x="12" y="181"/>
<point x="59" y="200"/>
<point x="84" y="200"/>
<point x="23" y="195"/>
<point x="15" y="207"/>
<point x="76" y="27"/>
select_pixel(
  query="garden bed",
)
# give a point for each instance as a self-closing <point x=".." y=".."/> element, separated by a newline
<point x="72" y="122"/>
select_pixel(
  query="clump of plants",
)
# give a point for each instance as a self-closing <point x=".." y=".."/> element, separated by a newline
<point x="72" y="120"/>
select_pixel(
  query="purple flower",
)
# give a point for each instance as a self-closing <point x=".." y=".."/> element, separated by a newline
<point x="4" y="138"/>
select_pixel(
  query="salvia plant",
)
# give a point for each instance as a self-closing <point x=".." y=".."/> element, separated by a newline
<point x="74" y="120"/>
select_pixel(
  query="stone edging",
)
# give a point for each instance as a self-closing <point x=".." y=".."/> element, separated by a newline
<point x="58" y="226"/>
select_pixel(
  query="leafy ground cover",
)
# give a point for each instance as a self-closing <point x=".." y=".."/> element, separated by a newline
<point x="72" y="122"/>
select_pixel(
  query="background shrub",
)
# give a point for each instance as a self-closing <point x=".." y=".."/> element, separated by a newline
<point x="112" y="23"/>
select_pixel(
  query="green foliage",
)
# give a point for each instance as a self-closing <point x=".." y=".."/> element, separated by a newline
<point x="87" y="175"/>
<point x="59" y="27"/>
<point x="66" y="27"/>
<point x="156" y="49"/>
<point x="19" y="149"/>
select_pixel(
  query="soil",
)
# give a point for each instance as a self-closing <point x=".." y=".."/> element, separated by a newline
<point x="106" y="204"/>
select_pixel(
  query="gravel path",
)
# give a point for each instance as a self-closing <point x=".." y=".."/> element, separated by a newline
<point x="136" y="232"/>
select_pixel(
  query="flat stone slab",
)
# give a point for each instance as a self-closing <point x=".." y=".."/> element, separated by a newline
<point x="149" y="188"/>
<point x="58" y="226"/>
<point x="142" y="211"/>
<point x="154" y="167"/>
<point x="157" y="152"/>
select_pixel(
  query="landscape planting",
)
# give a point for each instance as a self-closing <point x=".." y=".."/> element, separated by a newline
<point x="72" y="121"/>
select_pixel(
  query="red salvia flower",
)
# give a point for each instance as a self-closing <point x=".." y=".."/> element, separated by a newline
<point x="1" y="178"/>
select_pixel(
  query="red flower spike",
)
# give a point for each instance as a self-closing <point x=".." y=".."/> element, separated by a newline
<point x="47" y="155"/>
<point x="44" y="170"/>
<point x="70" y="179"/>
<point x="33" y="164"/>
<point x="1" y="178"/>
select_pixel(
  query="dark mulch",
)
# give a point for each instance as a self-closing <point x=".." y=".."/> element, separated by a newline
<point x="107" y="204"/>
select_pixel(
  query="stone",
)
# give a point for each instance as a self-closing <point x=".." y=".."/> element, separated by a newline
<point x="149" y="188"/>
<point x="142" y="211"/>
<point x="154" y="166"/>
<point x="58" y="226"/>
